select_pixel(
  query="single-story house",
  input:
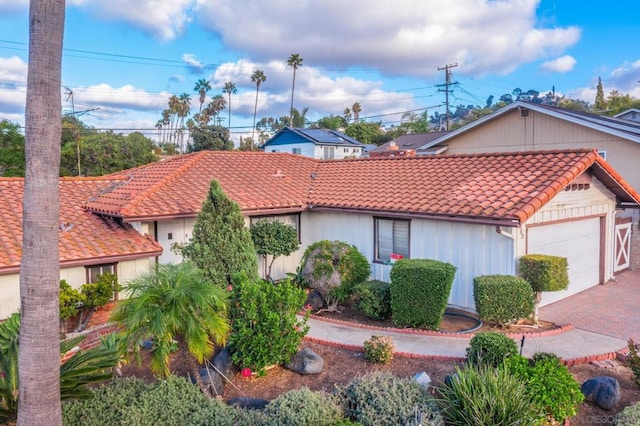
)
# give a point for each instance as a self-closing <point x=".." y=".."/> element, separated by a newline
<point x="323" y="144"/>
<point x="632" y="114"/>
<point x="90" y="244"/>
<point x="480" y="212"/>
<point x="408" y="145"/>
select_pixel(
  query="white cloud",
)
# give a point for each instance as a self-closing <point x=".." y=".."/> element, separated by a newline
<point x="13" y="70"/>
<point x="482" y="36"/>
<point x="192" y="62"/>
<point x="624" y="79"/>
<point x="165" y="19"/>
<point x="125" y="97"/>
<point x="562" y="64"/>
<point x="12" y="6"/>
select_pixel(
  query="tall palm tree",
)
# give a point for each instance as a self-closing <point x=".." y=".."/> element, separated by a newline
<point x="215" y="106"/>
<point x="202" y="87"/>
<point x="299" y="118"/>
<point x="173" y="303"/>
<point x="230" y="89"/>
<point x="183" y="110"/>
<point x="294" y="61"/>
<point x="356" y="109"/>
<point x="39" y="352"/>
<point x="258" y="78"/>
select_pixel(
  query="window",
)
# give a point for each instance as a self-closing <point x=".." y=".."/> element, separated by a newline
<point x="346" y="150"/>
<point x="329" y="152"/>
<point x="391" y="236"/>
<point x="93" y="272"/>
<point x="289" y="219"/>
<point x="296" y="151"/>
<point x="603" y="154"/>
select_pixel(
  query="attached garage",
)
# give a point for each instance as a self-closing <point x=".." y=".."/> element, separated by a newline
<point x="581" y="242"/>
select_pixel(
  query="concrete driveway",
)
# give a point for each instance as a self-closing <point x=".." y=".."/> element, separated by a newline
<point x="611" y="309"/>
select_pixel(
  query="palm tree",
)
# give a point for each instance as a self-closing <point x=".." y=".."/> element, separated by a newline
<point x="347" y="114"/>
<point x="230" y="89"/>
<point x="173" y="303"/>
<point x="183" y="110"/>
<point x="39" y="355"/>
<point x="202" y="87"/>
<point x="215" y="106"/>
<point x="299" y="118"/>
<point x="258" y="78"/>
<point x="294" y="61"/>
<point x="356" y="109"/>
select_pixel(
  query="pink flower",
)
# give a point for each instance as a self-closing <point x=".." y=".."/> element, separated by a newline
<point x="307" y="307"/>
<point x="246" y="372"/>
<point x="229" y="287"/>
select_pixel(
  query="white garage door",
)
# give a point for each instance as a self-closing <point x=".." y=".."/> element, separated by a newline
<point x="579" y="242"/>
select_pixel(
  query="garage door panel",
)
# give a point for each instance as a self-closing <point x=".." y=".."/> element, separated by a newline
<point x="579" y="242"/>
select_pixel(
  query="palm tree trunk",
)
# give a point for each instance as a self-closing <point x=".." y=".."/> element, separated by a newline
<point x="293" y="86"/>
<point x="39" y="353"/>
<point x="194" y="367"/>
<point x="253" y="129"/>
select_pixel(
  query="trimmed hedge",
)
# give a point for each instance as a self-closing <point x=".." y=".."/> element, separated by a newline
<point x="419" y="292"/>
<point x="490" y="348"/>
<point x="502" y="299"/>
<point x="544" y="272"/>
<point x="373" y="298"/>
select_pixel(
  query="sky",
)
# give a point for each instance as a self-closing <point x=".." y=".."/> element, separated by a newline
<point x="123" y="59"/>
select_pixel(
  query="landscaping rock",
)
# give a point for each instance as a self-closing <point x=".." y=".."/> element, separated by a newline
<point x="603" y="391"/>
<point x="212" y="380"/>
<point x="306" y="361"/>
<point x="248" y="403"/>
<point x="450" y="378"/>
<point x="224" y="365"/>
<point x="315" y="300"/>
<point x="423" y="379"/>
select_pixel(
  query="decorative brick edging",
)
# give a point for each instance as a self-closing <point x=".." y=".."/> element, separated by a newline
<point x="91" y="340"/>
<point x="592" y="358"/>
<point x="513" y="335"/>
<point x="360" y="348"/>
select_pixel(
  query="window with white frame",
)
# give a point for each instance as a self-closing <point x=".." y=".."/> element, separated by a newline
<point x="297" y="151"/>
<point x="603" y="154"/>
<point x="289" y="219"/>
<point x="391" y="236"/>
<point x="329" y="152"/>
<point x="94" y="272"/>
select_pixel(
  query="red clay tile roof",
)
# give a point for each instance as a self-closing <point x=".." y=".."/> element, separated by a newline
<point x="257" y="181"/>
<point x="505" y="187"/>
<point x="88" y="238"/>
<point x="501" y="188"/>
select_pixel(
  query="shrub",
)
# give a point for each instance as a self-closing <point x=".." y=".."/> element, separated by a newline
<point x="383" y="399"/>
<point x="490" y="348"/>
<point x="379" y="349"/>
<point x="634" y="361"/>
<point x="70" y="301"/>
<point x="487" y="396"/>
<point x="419" y="292"/>
<point x="304" y="407"/>
<point x="630" y="416"/>
<point x="273" y="238"/>
<point x="544" y="273"/>
<point x="502" y="298"/>
<point x="551" y="385"/>
<point x="265" y="328"/>
<point x="333" y="268"/>
<point x="373" y="298"/>
<point x="170" y="402"/>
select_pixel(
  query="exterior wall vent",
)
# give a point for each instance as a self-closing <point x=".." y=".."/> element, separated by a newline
<point x="524" y="112"/>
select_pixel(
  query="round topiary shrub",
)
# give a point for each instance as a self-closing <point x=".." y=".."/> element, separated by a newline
<point x="381" y="398"/>
<point x="502" y="299"/>
<point x="304" y="407"/>
<point x="373" y="298"/>
<point x="490" y="348"/>
<point x="379" y="349"/>
<point x="333" y="268"/>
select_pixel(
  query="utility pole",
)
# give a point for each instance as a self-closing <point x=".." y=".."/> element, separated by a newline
<point x="69" y="94"/>
<point x="447" y="82"/>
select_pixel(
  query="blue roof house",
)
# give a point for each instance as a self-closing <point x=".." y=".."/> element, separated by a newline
<point x="322" y="144"/>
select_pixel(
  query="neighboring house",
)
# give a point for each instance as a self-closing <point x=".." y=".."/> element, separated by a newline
<point x="408" y="145"/>
<point x="478" y="212"/>
<point x="632" y="114"/>
<point x="322" y="144"/>
<point x="90" y="244"/>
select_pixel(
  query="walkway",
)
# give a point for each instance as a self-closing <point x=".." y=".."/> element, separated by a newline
<point x="603" y="318"/>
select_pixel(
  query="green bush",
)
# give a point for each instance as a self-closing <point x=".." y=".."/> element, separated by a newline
<point x="333" y="268"/>
<point x="419" y="292"/>
<point x="502" y="299"/>
<point x="373" y="298"/>
<point x="551" y="385"/>
<point x="490" y="348"/>
<point x="544" y="272"/>
<point x="634" y="361"/>
<point x="379" y="349"/>
<point x="171" y="402"/>
<point x="70" y="301"/>
<point x="487" y="396"/>
<point x="303" y="407"/>
<point x="630" y="416"/>
<point x="383" y="399"/>
<point x="265" y="328"/>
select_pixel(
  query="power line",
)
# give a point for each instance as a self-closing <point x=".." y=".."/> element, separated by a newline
<point x="447" y="82"/>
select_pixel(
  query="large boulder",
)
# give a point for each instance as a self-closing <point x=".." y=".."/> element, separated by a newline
<point x="223" y="363"/>
<point x="248" y="403"/>
<point x="212" y="380"/>
<point x="603" y="391"/>
<point x="315" y="300"/>
<point x="306" y="361"/>
<point x="215" y="377"/>
<point x="423" y="379"/>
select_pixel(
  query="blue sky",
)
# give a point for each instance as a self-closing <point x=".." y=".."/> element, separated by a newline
<point x="123" y="59"/>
